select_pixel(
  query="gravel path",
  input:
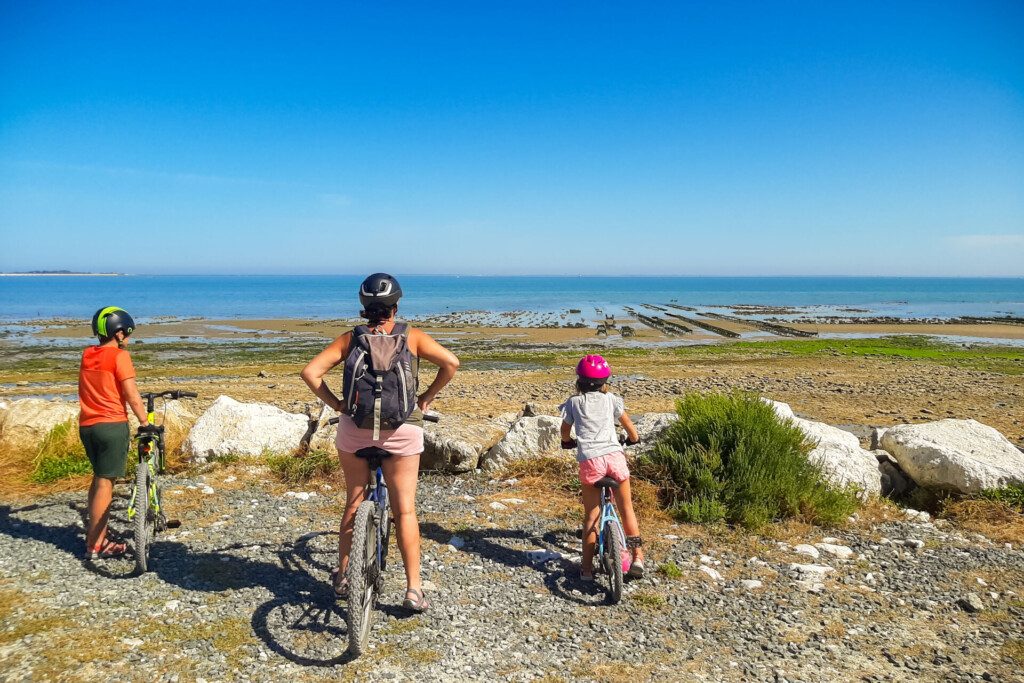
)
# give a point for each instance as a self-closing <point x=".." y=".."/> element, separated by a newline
<point x="240" y="592"/>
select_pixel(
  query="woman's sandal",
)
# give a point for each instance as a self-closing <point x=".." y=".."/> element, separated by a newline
<point x="340" y="585"/>
<point x="106" y="550"/>
<point x="419" y="603"/>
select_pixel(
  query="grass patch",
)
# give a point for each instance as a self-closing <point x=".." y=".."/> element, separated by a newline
<point x="1014" y="649"/>
<point x="729" y="458"/>
<point x="996" y="519"/>
<point x="60" y="456"/>
<point x="1011" y="495"/>
<point x="1007" y="360"/>
<point x="558" y="472"/>
<point x="670" y="570"/>
<point x="648" y="599"/>
<point x="298" y="470"/>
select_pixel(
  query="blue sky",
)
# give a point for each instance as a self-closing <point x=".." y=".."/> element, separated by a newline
<point x="724" y="138"/>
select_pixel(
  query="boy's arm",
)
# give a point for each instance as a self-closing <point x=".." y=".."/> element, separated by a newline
<point x="627" y="424"/>
<point x="131" y="391"/>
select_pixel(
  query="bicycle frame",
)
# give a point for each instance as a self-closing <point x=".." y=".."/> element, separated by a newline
<point x="149" y="446"/>
<point x="378" y="494"/>
<point x="608" y="514"/>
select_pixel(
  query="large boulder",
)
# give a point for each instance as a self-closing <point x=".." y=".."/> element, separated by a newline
<point x="840" y="457"/>
<point x="959" y="455"/>
<point x="230" y="427"/>
<point x="650" y="426"/>
<point x="26" y="422"/>
<point x="529" y="437"/>
<point x="456" y="444"/>
<point x="782" y="410"/>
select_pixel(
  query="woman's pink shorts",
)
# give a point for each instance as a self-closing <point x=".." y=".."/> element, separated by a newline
<point x="612" y="465"/>
<point x="406" y="440"/>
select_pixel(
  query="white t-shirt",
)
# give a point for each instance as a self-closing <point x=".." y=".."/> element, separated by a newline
<point x="594" y="414"/>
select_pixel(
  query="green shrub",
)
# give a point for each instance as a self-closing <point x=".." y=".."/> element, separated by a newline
<point x="60" y="455"/>
<point x="297" y="470"/>
<point x="729" y="457"/>
<point x="1012" y="495"/>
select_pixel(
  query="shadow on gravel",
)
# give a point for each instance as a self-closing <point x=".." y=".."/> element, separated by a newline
<point x="561" y="580"/>
<point x="302" y="609"/>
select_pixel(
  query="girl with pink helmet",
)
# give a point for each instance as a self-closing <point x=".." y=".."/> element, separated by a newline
<point x="593" y="412"/>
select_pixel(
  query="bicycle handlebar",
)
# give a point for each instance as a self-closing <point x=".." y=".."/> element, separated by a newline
<point x="173" y="394"/>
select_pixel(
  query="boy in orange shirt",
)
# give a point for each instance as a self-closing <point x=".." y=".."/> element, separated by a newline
<point x="106" y="381"/>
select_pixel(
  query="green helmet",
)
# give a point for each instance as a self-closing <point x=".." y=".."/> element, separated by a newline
<point x="108" y="321"/>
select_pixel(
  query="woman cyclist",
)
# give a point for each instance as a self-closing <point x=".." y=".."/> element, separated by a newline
<point x="379" y="295"/>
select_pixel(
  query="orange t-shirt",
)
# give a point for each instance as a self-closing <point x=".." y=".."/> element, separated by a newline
<point x="99" y="385"/>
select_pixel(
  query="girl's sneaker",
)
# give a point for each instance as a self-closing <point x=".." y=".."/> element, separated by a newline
<point x="636" y="570"/>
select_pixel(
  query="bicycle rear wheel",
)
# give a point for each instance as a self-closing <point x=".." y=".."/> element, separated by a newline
<point x="362" y="577"/>
<point x="144" y="520"/>
<point x="612" y="559"/>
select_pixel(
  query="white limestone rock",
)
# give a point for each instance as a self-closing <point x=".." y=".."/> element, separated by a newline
<point x="246" y="429"/>
<point x="529" y="437"/>
<point x="961" y="455"/>
<point x="26" y="422"/>
<point x="841" y="459"/>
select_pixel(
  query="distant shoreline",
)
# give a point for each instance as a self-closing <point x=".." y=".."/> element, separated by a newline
<point x="59" y="274"/>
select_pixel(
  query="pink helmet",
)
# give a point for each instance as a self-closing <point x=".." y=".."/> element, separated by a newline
<point x="593" y="366"/>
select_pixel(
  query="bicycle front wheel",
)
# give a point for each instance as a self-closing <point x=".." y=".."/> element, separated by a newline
<point x="362" y="579"/>
<point x="612" y="559"/>
<point x="144" y="521"/>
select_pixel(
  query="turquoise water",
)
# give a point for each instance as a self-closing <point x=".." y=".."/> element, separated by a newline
<point x="334" y="296"/>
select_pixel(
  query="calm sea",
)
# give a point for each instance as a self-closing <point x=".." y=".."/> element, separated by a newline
<point x="23" y="298"/>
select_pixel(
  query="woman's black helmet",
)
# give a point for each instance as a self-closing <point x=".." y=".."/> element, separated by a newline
<point x="108" y="321"/>
<point x="379" y="292"/>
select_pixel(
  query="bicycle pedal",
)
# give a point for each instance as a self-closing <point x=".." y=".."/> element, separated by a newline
<point x="173" y="523"/>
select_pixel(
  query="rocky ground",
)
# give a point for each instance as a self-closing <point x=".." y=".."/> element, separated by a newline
<point x="240" y="592"/>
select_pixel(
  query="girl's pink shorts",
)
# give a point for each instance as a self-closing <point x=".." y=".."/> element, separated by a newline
<point x="406" y="440"/>
<point x="612" y="465"/>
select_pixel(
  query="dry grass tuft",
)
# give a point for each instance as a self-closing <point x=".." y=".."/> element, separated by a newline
<point x="997" y="520"/>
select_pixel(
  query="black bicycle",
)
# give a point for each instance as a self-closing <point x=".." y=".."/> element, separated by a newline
<point x="148" y="517"/>
<point x="371" y="534"/>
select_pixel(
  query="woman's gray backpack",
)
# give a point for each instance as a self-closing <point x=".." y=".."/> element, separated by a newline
<point x="379" y="382"/>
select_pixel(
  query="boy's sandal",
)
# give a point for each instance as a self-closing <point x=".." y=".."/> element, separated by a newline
<point x="106" y="550"/>
<point x="587" y="578"/>
<point x="339" y="584"/>
<point x="418" y="602"/>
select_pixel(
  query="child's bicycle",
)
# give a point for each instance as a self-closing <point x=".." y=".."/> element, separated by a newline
<point x="371" y="533"/>
<point x="612" y="557"/>
<point x="148" y="517"/>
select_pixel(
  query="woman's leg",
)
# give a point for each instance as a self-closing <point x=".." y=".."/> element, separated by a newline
<point x="357" y="473"/>
<point x="591" y="516"/>
<point x="624" y="501"/>
<point x="401" y="473"/>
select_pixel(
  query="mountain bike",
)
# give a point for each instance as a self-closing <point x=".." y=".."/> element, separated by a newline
<point x="371" y="534"/>
<point x="148" y="517"/>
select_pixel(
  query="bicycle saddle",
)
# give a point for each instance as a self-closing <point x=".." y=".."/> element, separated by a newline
<point x="373" y="452"/>
<point x="604" y="482"/>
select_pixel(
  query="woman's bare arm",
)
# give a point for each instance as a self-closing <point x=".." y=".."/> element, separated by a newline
<point x="425" y="347"/>
<point x="313" y="373"/>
